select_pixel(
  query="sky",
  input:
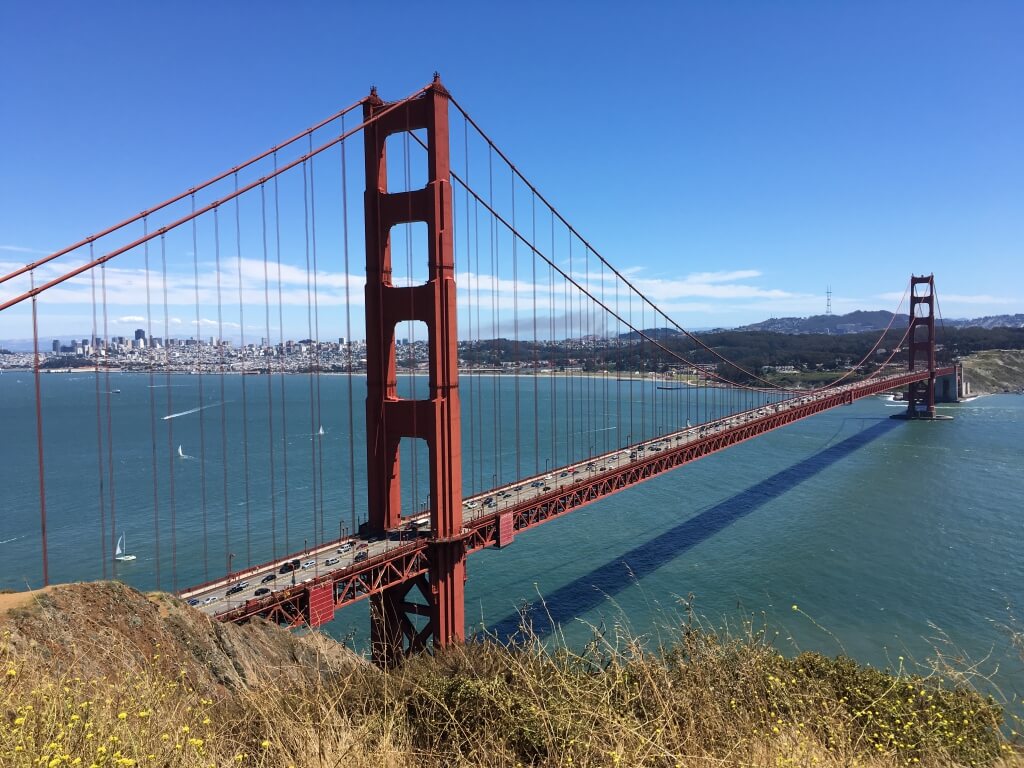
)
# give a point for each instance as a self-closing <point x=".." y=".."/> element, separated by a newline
<point x="735" y="159"/>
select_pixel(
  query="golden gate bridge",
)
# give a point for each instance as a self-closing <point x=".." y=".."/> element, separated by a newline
<point x="449" y="468"/>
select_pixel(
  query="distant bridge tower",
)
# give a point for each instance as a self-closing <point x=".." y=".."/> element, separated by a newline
<point x="921" y="396"/>
<point x="435" y="420"/>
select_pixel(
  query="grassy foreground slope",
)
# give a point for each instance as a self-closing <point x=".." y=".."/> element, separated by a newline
<point x="101" y="675"/>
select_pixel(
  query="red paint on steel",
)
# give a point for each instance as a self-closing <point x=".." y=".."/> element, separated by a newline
<point x="389" y="418"/>
<point x="320" y="604"/>
<point x="401" y="566"/>
<point x="506" y="530"/>
<point x="921" y="400"/>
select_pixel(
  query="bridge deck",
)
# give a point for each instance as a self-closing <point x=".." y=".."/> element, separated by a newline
<point x="493" y="518"/>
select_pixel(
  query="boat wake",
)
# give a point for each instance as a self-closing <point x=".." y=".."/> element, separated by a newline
<point x="189" y="411"/>
<point x="13" y="538"/>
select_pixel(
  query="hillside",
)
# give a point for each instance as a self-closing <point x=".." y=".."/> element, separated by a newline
<point x="852" y="322"/>
<point x="860" y="321"/>
<point x="995" y="370"/>
<point x="101" y="675"/>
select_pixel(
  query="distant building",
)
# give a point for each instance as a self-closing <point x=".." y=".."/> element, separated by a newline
<point x="56" y="346"/>
<point x="140" y="334"/>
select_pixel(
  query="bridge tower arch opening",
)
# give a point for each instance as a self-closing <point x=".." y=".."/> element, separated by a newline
<point x="398" y="626"/>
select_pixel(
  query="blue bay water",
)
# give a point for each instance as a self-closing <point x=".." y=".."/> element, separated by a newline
<point x="893" y="538"/>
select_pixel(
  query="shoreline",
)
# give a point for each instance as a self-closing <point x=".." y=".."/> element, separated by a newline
<point x="469" y="373"/>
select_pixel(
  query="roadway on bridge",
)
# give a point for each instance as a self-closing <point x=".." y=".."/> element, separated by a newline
<point x="346" y="553"/>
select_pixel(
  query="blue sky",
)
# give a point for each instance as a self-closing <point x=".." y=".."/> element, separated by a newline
<point x="735" y="157"/>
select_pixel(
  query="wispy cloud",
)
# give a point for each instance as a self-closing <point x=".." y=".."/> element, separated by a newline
<point x="22" y="249"/>
<point x="961" y="298"/>
<point x="723" y="277"/>
<point x="980" y="298"/>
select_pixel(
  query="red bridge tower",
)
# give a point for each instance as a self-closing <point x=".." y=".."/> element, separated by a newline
<point x="921" y="396"/>
<point x="389" y="418"/>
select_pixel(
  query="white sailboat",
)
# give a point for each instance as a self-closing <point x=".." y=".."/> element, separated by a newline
<point x="321" y="429"/>
<point x="181" y="453"/>
<point x="120" y="554"/>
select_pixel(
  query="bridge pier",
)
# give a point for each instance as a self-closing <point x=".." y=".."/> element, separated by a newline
<point x="436" y="420"/>
<point x="949" y="388"/>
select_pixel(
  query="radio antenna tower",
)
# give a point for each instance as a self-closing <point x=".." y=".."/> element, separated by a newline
<point x="828" y="301"/>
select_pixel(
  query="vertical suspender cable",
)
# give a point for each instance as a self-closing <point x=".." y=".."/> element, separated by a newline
<point x="245" y="391"/>
<point x="110" y="428"/>
<point x="570" y="390"/>
<point x="152" y="408"/>
<point x="39" y="436"/>
<point x="643" y="376"/>
<point x="265" y="348"/>
<point x="199" y="375"/>
<point x="317" y="436"/>
<point x="495" y="348"/>
<point x="615" y="359"/>
<point x="591" y="394"/>
<point x="170" y="433"/>
<point x="632" y="436"/>
<point x="280" y="352"/>
<point x="609" y="438"/>
<point x="223" y="397"/>
<point x="479" y="346"/>
<point x="536" y="372"/>
<point x="309" y="331"/>
<point x="101" y="483"/>
<point x="469" y="403"/>
<point x="348" y="337"/>
<point x="515" y="344"/>
<point x="551" y="349"/>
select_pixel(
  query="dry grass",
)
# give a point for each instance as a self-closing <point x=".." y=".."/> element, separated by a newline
<point x="706" y="700"/>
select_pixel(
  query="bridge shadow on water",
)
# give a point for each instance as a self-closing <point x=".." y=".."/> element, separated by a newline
<point x="595" y="587"/>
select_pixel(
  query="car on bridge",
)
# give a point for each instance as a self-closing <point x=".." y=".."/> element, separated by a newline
<point x="360" y="556"/>
<point x="288" y="567"/>
<point x="268" y="577"/>
<point x="237" y="588"/>
<point x="332" y="561"/>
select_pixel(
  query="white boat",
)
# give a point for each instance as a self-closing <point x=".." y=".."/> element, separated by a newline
<point x="181" y="453"/>
<point x="321" y="429"/>
<point x="120" y="554"/>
